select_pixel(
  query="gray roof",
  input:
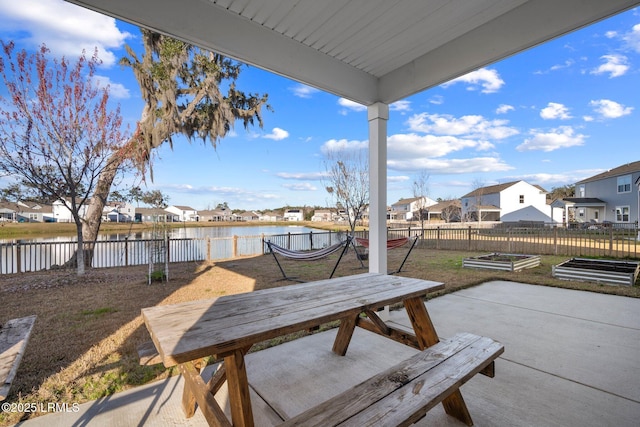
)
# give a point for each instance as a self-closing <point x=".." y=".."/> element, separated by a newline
<point x="626" y="169"/>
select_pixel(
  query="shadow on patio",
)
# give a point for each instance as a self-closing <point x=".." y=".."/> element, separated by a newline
<point x="571" y="358"/>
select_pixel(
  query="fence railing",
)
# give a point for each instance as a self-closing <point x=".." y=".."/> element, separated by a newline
<point x="21" y="257"/>
<point x="613" y="241"/>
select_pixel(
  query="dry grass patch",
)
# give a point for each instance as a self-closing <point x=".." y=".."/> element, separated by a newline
<point x="84" y="342"/>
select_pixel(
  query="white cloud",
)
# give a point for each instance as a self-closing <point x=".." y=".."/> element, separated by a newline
<point x="472" y="126"/>
<point x="66" y="29"/>
<point x="562" y="137"/>
<point x="451" y="166"/>
<point x="610" y="109"/>
<point x="277" y="134"/>
<point x="400" y="106"/>
<point x="303" y="176"/>
<point x="486" y="78"/>
<point x="615" y="65"/>
<point x="337" y="145"/>
<point x="116" y="90"/>
<point x="553" y="110"/>
<point x="437" y="100"/>
<point x="407" y="146"/>
<point x="303" y="91"/>
<point x="350" y="105"/>
<point x="504" y="108"/>
<point x="300" y="186"/>
<point x="398" y="178"/>
<point x="632" y="38"/>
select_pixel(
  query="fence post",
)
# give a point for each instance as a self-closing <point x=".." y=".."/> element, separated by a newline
<point x="126" y="251"/>
<point x="438" y="237"/>
<point x="555" y="240"/>
<point x="289" y="240"/>
<point x="611" y="241"/>
<point x="18" y="257"/>
<point x="469" y="239"/>
<point x="235" y="246"/>
<point x="311" y="239"/>
<point x="208" y="248"/>
<point x="509" y="240"/>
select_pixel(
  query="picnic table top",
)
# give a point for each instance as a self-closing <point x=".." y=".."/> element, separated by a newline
<point x="191" y="330"/>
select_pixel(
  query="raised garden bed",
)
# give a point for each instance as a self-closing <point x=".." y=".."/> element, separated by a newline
<point x="500" y="261"/>
<point x="598" y="270"/>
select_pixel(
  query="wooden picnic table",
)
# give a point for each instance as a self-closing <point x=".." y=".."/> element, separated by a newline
<point x="228" y="326"/>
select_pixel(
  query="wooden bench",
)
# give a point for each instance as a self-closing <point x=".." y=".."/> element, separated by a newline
<point x="402" y="395"/>
<point x="14" y="335"/>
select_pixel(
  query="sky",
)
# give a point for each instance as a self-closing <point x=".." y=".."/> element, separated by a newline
<point x="552" y="115"/>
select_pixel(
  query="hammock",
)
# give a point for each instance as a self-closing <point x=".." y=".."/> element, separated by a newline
<point x="392" y="244"/>
<point x="307" y="255"/>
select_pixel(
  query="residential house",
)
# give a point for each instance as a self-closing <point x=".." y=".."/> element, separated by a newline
<point x="446" y="210"/>
<point x="270" y="216"/>
<point x="409" y="209"/>
<point x="516" y="201"/>
<point x="152" y="215"/>
<point x="217" y="215"/>
<point x="294" y="214"/>
<point x="61" y="213"/>
<point x="118" y="212"/>
<point x="8" y="211"/>
<point x="247" y="216"/>
<point x="182" y="213"/>
<point x="323" y="215"/>
<point x="608" y="196"/>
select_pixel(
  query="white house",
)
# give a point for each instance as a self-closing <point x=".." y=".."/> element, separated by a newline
<point x="516" y="201"/>
<point x="119" y="212"/>
<point x="270" y="216"/>
<point x="294" y="215"/>
<point x="323" y="215"/>
<point x="409" y="209"/>
<point x="61" y="213"/>
<point x="183" y="213"/>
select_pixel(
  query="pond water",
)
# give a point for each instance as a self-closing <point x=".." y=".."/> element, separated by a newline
<point x="185" y="233"/>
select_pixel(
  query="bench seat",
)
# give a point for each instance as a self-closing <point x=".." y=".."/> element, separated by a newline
<point x="402" y="395"/>
<point x="14" y="335"/>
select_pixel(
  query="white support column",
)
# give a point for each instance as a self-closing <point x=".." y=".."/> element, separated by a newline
<point x="378" y="115"/>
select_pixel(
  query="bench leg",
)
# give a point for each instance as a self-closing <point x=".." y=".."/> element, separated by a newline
<point x="425" y="332"/>
<point x="455" y="406"/>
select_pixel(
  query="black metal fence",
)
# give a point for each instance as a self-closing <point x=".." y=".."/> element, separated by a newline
<point x="615" y="241"/>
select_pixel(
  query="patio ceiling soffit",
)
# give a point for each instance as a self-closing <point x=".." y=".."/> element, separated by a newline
<point x="421" y="43"/>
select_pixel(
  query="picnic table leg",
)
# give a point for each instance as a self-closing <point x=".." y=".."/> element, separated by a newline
<point x="454" y="404"/>
<point x="188" y="395"/>
<point x="239" y="397"/>
<point x="345" y="332"/>
<point x="196" y="391"/>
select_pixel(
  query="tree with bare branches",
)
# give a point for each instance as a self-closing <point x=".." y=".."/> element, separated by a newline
<point x="348" y="182"/>
<point x="57" y="131"/>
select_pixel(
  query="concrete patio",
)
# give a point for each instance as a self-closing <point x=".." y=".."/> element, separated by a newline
<point x="571" y="358"/>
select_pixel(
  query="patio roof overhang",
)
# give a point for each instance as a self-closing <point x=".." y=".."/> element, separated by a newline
<point x="371" y="52"/>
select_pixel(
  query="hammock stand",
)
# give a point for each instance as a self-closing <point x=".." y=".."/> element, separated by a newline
<point x="392" y="244"/>
<point x="307" y="255"/>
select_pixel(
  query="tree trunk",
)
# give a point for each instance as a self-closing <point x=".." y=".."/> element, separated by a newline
<point x="93" y="216"/>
